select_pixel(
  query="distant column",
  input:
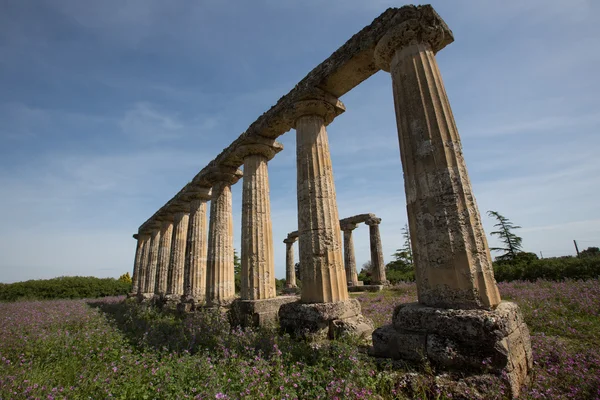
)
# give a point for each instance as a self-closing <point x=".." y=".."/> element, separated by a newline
<point x="145" y="238"/>
<point x="290" y="268"/>
<point x="152" y="261"/>
<point x="178" y="242"/>
<point x="164" y="257"/>
<point x="349" y="259"/>
<point x="452" y="260"/>
<point x="257" y="254"/>
<point x="194" y="285"/>
<point x="136" y="264"/>
<point x="220" y="283"/>
<point x="377" y="265"/>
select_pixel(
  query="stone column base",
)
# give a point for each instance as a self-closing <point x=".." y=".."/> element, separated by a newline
<point x="190" y="304"/>
<point x="366" y="288"/>
<point x="476" y="341"/>
<point x="257" y="312"/>
<point x="290" y="290"/>
<point x="324" y="320"/>
<point x="170" y="301"/>
<point x="145" y="297"/>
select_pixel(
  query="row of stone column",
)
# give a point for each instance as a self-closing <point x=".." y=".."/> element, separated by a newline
<point x="179" y="262"/>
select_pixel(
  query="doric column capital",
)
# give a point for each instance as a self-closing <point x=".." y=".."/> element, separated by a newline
<point x="373" y="221"/>
<point x="144" y="235"/>
<point x="427" y="27"/>
<point x="229" y="175"/>
<point x="198" y="193"/>
<point x="290" y="240"/>
<point x="258" y="146"/>
<point x="348" y="226"/>
<point x="316" y="102"/>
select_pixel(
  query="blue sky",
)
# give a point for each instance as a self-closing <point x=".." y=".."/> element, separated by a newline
<point x="108" y="108"/>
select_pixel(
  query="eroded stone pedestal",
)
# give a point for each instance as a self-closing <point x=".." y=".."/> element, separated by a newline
<point x="477" y="341"/>
<point x="318" y="321"/>
<point x="262" y="312"/>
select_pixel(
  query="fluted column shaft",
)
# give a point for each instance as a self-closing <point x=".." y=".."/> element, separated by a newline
<point x="143" y="264"/>
<point x="349" y="259"/>
<point x="136" y="264"/>
<point x="220" y="283"/>
<point x="178" y="243"/>
<point x="152" y="261"/>
<point x="451" y="256"/>
<point x="257" y="255"/>
<point x="320" y="242"/>
<point x="195" y="254"/>
<point x="164" y="258"/>
<point x="377" y="265"/>
<point x="290" y="268"/>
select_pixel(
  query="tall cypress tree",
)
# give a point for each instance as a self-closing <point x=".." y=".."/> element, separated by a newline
<point x="512" y="242"/>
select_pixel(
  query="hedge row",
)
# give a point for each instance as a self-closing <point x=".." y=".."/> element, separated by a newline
<point x="554" y="269"/>
<point x="65" y="287"/>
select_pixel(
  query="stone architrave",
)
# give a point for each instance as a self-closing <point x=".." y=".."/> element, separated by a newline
<point x="178" y="243"/>
<point x="194" y="282"/>
<point x="377" y="264"/>
<point x="164" y="257"/>
<point x="290" y="268"/>
<point x="349" y="259"/>
<point x="325" y="309"/>
<point x="136" y="265"/>
<point x="257" y="253"/>
<point x="152" y="261"/>
<point x="459" y="322"/>
<point x="220" y="284"/>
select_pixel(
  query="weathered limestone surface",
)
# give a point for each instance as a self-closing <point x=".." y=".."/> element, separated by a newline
<point x="152" y="261"/>
<point x="349" y="259"/>
<point x="136" y="265"/>
<point x="290" y="268"/>
<point x="323" y="273"/>
<point x="220" y="285"/>
<point x="451" y="256"/>
<point x="263" y="312"/>
<point x="145" y="238"/>
<point x="178" y="243"/>
<point x="164" y="257"/>
<point x="478" y="341"/>
<point x="329" y="320"/>
<point x="377" y="263"/>
<point x="257" y="254"/>
<point x="194" y="280"/>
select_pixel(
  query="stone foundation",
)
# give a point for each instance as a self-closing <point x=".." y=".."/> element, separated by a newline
<point x="145" y="297"/>
<point x="190" y="304"/>
<point x="257" y="312"/>
<point x="324" y="320"/>
<point x="477" y="341"/>
<point x="170" y="301"/>
<point x="366" y="288"/>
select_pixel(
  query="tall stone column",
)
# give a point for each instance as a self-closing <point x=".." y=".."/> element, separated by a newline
<point x="290" y="268"/>
<point x="194" y="283"/>
<point x="452" y="260"/>
<point x="136" y="265"/>
<point x="349" y="259"/>
<point x="141" y="278"/>
<point x="152" y="261"/>
<point x="178" y="243"/>
<point x="455" y="282"/>
<point x="320" y="242"/>
<point x="164" y="257"/>
<point x="377" y="265"/>
<point x="220" y="283"/>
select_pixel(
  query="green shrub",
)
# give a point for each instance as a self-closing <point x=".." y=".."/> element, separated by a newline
<point x="555" y="269"/>
<point x="64" y="287"/>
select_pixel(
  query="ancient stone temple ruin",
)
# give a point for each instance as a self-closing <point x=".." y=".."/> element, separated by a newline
<point x="459" y="321"/>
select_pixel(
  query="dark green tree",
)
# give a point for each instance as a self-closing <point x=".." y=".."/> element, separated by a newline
<point x="237" y="271"/>
<point x="512" y="242"/>
<point x="404" y="254"/>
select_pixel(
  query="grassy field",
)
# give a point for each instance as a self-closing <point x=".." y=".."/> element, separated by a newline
<point x="110" y="349"/>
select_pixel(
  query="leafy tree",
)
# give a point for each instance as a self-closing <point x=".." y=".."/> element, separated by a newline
<point x="298" y="271"/>
<point x="237" y="271"/>
<point x="512" y="242"/>
<point x="590" y="252"/>
<point x="125" y="278"/>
